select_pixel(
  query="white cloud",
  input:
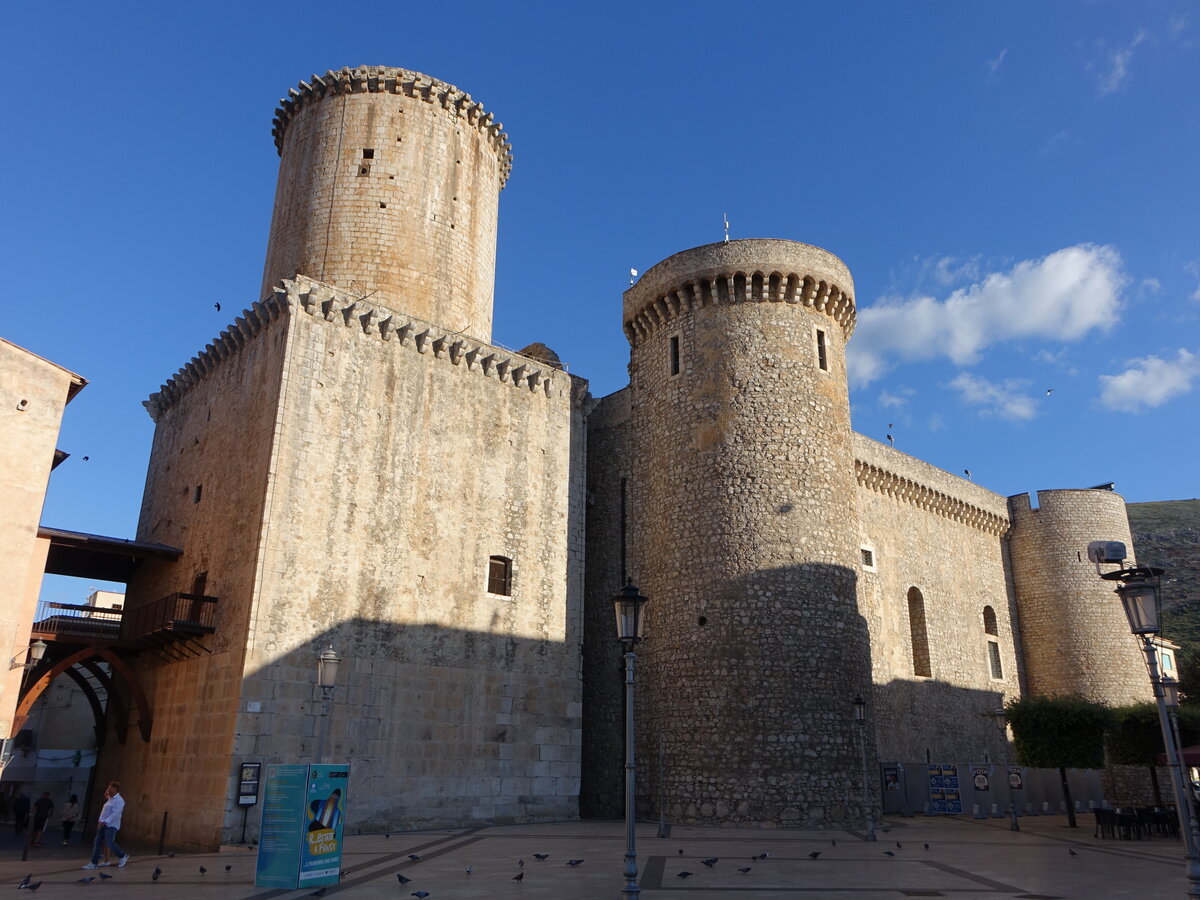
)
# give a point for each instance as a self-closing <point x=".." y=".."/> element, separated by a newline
<point x="1056" y="141"/>
<point x="1149" y="382"/>
<point x="993" y="65"/>
<point x="1116" y="66"/>
<point x="1007" y="399"/>
<point x="1060" y="297"/>
<point x="895" y="399"/>
<point x="1194" y="270"/>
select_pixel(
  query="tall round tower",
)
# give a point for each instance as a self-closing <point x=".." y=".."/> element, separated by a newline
<point x="388" y="187"/>
<point x="743" y="534"/>
<point x="1073" y="627"/>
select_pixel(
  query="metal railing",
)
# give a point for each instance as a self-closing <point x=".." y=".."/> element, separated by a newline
<point x="77" y="620"/>
<point x="191" y="614"/>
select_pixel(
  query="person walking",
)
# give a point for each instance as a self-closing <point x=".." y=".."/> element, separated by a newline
<point x="110" y="824"/>
<point x="43" y="808"/>
<point x="69" y="817"/>
<point x="20" y="810"/>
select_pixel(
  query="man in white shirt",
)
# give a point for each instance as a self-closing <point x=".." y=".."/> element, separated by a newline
<point x="110" y="824"/>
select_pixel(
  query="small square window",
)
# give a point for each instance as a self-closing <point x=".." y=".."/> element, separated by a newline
<point x="868" y="558"/>
<point x="368" y="153"/>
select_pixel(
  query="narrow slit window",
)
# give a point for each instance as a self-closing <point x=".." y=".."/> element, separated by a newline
<point x="822" y="351"/>
<point x="674" y="354"/>
<point x="500" y="576"/>
<point x="196" y="495"/>
<point x="919" y="634"/>
<point x="994" y="659"/>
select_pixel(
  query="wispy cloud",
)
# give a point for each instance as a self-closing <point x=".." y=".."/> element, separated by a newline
<point x="1150" y="382"/>
<point x="1193" y="268"/>
<point x="1008" y="399"/>
<point x="1060" y="297"/>
<point x="896" y="399"/>
<point x="1057" y="141"/>
<point x="1114" y="70"/>
<point x="993" y="65"/>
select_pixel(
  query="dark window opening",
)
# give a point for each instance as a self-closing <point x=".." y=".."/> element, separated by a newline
<point x="199" y="491"/>
<point x="989" y="621"/>
<point x="994" y="659"/>
<point x="500" y="576"/>
<point x="674" y="355"/>
<point x="868" y="557"/>
<point x="364" y="169"/>
<point x="368" y="153"/>
<point x="822" y="352"/>
<point x="919" y="633"/>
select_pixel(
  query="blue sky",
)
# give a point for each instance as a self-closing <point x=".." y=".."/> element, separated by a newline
<point x="1013" y="185"/>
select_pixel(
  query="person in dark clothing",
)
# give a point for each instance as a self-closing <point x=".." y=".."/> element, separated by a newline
<point x="43" y="806"/>
<point x="20" y="809"/>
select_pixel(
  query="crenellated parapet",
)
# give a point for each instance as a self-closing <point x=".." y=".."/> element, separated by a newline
<point x="327" y="304"/>
<point x="911" y="481"/>
<point x="748" y="271"/>
<point x="386" y="79"/>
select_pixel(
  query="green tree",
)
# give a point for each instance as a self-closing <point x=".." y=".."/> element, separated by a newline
<point x="1059" y="733"/>
<point x="1135" y="738"/>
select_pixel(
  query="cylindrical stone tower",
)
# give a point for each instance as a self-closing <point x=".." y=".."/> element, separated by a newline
<point x="744" y="535"/>
<point x="388" y="187"/>
<point x="1073" y="627"/>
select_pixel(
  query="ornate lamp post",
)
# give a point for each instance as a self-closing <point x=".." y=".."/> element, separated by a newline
<point x="1140" y="594"/>
<point x="1001" y="720"/>
<point x="327" y="666"/>
<point x="628" y="605"/>
<point x="860" y="716"/>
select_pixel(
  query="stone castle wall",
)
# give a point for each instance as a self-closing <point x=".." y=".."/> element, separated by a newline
<point x="1074" y="629"/>
<point x="742" y="533"/>
<point x="406" y="457"/>
<point x="943" y="536"/>
<point x="388" y="188"/>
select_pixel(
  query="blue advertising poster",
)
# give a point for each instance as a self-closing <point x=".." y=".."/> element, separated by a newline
<point x="300" y="839"/>
<point x="325" y="807"/>
<point x="945" y="797"/>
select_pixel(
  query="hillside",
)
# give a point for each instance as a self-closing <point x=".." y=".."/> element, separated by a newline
<point x="1167" y="535"/>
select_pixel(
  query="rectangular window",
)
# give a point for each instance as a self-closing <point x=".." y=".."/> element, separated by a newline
<point x="868" y="558"/>
<point x="674" y="351"/>
<point x="822" y="351"/>
<point x="994" y="659"/>
<point x="500" y="576"/>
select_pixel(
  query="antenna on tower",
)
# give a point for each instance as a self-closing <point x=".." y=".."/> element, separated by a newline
<point x="725" y="216"/>
<point x="632" y="276"/>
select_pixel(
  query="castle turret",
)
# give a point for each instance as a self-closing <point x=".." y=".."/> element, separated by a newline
<point x="743" y="533"/>
<point x="388" y="188"/>
<point x="1073" y="628"/>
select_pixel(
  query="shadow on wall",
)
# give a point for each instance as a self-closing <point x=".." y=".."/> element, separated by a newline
<point x="439" y="726"/>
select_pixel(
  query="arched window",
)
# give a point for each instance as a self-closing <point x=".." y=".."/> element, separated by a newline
<point x="500" y="576"/>
<point x="989" y="620"/>
<point x="919" y="633"/>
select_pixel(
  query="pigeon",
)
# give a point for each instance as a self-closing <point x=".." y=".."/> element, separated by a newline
<point x="833" y="841"/>
<point x="574" y="862"/>
<point x="413" y="857"/>
<point x="814" y="854"/>
<point x="967" y="472"/>
<point x="1072" y="852"/>
<point x="217" y="306"/>
<point x="469" y="869"/>
<point x="681" y="851"/>
<point x="518" y="876"/>
<point x="319" y="893"/>
<point x="710" y="862"/>
<point x="926" y="846"/>
<point x="888" y="853"/>
<point x="25" y="881"/>
<point x="745" y="870"/>
<point x="155" y="874"/>
<point x="1049" y="391"/>
<point x="386" y="835"/>
<point x="402" y="879"/>
<point x="684" y="875"/>
<point x="521" y="863"/>
<point x="87" y="880"/>
<point x="203" y="870"/>
<point x="227" y="868"/>
<point x="104" y="876"/>
<point x="541" y="856"/>
<point x="761" y="856"/>
<point x="420" y="895"/>
<point x="898" y="847"/>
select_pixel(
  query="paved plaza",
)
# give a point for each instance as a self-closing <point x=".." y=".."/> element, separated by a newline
<point x="918" y="857"/>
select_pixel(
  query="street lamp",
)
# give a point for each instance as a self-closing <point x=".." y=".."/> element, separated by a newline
<point x="860" y="716"/>
<point x="999" y="717"/>
<point x="34" y="654"/>
<point x="327" y="666"/>
<point x="1139" y="590"/>
<point x="628" y="605"/>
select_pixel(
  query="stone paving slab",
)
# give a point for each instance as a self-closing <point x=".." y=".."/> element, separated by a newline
<point x="965" y="858"/>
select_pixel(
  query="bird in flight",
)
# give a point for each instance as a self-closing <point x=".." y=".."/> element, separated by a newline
<point x="1049" y="391"/>
<point x="217" y="306"/>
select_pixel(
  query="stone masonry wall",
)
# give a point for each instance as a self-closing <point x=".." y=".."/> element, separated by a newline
<point x="1074" y="630"/>
<point x="388" y="187"/>
<point x="407" y="456"/>
<point x="944" y="536"/>
<point x="743" y="535"/>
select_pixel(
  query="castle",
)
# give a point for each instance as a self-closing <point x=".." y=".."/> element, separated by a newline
<point x="353" y="463"/>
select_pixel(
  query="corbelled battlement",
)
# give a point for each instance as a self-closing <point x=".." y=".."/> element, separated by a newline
<point x="321" y="301"/>
<point x="747" y="271"/>
<point x="386" y="79"/>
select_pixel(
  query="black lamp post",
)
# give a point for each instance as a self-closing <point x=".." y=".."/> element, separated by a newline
<point x="628" y="605"/>
<point x="860" y="716"/>
<point x="1001" y="720"/>
<point x="327" y="666"/>
<point x="1139" y="590"/>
